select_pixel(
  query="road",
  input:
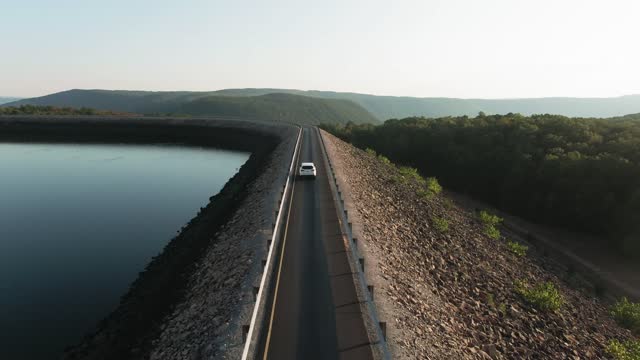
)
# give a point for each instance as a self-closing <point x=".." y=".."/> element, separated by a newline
<point x="315" y="312"/>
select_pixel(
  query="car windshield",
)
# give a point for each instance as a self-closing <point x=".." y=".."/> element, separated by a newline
<point x="307" y="167"/>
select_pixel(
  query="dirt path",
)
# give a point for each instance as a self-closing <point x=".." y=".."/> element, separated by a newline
<point x="618" y="275"/>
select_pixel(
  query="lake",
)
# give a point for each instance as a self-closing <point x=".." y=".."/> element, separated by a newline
<point x="79" y="222"/>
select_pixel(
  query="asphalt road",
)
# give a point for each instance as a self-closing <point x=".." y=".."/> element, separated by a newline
<point x="314" y="307"/>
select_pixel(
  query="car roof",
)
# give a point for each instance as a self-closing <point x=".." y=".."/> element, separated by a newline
<point x="306" y="164"/>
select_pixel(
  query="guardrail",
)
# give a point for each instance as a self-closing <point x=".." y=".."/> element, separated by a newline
<point x="379" y="327"/>
<point x="251" y="335"/>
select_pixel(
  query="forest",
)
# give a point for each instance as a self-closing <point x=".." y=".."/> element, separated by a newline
<point x="581" y="174"/>
<point x="53" y="110"/>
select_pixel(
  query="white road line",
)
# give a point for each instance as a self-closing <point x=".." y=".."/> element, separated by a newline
<point x="263" y="281"/>
<point x="275" y="295"/>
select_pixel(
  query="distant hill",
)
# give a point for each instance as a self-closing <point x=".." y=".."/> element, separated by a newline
<point x="4" y="100"/>
<point x="271" y="106"/>
<point x="381" y="107"/>
<point x="117" y="100"/>
<point x="388" y="107"/>
<point x="282" y="107"/>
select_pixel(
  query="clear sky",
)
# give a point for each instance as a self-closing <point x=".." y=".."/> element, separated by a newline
<point x="449" y="48"/>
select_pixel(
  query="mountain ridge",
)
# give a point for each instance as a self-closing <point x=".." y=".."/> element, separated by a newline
<point x="8" y="99"/>
<point x="285" y="107"/>
<point x="382" y="107"/>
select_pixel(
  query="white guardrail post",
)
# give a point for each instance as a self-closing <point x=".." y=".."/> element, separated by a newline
<point x="272" y="245"/>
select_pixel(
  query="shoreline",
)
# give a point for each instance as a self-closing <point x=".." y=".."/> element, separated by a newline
<point x="164" y="291"/>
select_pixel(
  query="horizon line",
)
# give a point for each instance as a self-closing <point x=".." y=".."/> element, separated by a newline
<point x="330" y="91"/>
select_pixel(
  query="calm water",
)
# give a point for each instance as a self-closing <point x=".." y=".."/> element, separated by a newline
<point x="77" y="224"/>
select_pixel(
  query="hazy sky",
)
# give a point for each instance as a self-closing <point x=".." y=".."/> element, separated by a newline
<point x="452" y="48"/>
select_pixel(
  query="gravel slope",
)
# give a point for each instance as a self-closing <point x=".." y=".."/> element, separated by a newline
<point x="450" y="295"/>
<point x="219" y="296"/>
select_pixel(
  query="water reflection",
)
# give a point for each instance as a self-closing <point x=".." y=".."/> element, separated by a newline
<point x="78" y="222"/>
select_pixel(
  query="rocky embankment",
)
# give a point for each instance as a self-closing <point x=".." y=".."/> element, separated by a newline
<point x="219" y="298"/>
<point x="450" y="294"/>
<point x="192" y="299"/>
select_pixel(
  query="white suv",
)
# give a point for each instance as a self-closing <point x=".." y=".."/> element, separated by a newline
<point x="308" y="169"/>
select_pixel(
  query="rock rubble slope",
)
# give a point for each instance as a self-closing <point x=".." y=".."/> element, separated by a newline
<point x="450" y="294"/>
<point x="219" y="297"/>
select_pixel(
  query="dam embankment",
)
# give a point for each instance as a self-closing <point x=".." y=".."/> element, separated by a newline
<point x="191" y="299"/>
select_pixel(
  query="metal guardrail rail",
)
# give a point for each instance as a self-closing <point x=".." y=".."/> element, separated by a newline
<point x="252" y="334"/>
<point x="344" y="223"/>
